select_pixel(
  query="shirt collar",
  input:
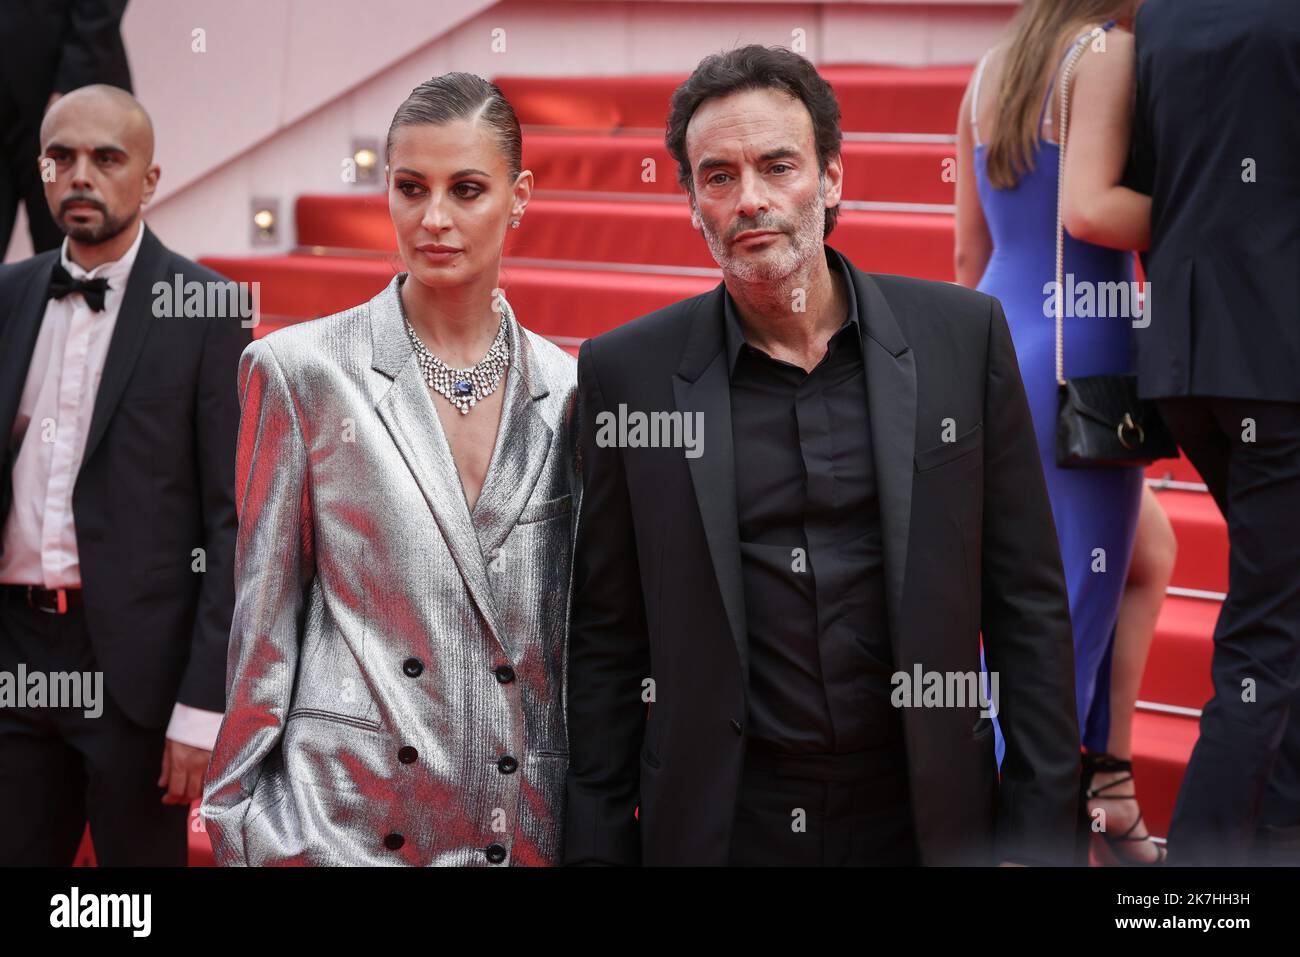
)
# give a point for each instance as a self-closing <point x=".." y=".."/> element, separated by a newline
<point x="117" y="269"/>
<point x="736" y="335"/>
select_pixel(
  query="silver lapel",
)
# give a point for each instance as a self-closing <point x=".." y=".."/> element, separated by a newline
<point x="407" y="410"/>
<point x="523" y="442"/>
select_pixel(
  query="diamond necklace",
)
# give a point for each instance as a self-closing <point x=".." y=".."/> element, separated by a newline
<point x="464" y="387"/>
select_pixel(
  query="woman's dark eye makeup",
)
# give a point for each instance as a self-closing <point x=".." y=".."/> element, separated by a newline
<point x="462" y="190"/>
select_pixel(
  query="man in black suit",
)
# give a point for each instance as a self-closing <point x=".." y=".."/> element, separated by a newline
<point x="120" y="413"/>
<point x="802" y="491"/>
<point x="1217" y="142"/>
<point x="47" y="47"/>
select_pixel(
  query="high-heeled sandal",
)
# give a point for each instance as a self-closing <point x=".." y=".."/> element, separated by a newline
<point x="1109" y="847"/>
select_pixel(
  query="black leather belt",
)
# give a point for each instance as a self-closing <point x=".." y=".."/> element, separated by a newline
<point x="855" y="766"/>
<point x="55" y="601"/>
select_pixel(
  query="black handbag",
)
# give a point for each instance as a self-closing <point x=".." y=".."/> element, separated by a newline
<point x="1100" y="421"/>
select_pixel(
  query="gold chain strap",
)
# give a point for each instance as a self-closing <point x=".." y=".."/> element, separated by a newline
<point x="1080" y="48"/>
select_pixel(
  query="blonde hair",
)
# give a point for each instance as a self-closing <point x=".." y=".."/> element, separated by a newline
<point x="1036" y="34"/>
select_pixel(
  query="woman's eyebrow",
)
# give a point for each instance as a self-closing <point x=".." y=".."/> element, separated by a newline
<point x="456" y="175"/>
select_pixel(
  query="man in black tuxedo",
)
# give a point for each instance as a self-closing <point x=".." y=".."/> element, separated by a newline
<point x="1217" y="143"/>
<point x="47" y="47"/>
<point x="854" y="493"/>
<point x="117" y="491"/>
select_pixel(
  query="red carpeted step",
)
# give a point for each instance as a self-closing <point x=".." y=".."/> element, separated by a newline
<point x="1178" y="666"/>
<point x="898" y="99"/>
<point x="562" y="303"/>
<point x="200" y="846"/>
<point x="646" y="233"/>
<point x="871" y="98"/>
<point x="352" y="221"/>
<point x="875" y="172"/>
<point x="1202" y="540"/>
<point x="304" y="287"/>
<point x="1162" y="743"/>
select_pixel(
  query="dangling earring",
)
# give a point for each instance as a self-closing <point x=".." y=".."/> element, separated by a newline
<point x="514" y="224"/>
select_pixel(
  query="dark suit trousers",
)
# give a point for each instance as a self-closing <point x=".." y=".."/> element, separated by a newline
<point x="824" y="810"/>
<point x="20" y="178"/>
<point x="1244" y="774"/>
<point x="60" y="769"/>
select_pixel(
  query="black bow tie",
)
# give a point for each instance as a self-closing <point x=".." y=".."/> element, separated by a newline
<point x="62" y="283"/>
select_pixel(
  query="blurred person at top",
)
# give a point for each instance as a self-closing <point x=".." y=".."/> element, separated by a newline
<point x="47" y="47"/>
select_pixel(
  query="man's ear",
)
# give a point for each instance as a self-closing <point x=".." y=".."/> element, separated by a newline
<point x="150" y="183"/>
<point x="696" y="223"/>
<point x="834" y="180"/>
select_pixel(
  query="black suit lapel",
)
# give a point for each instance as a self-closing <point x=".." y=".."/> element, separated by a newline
<point x="20" y="339"/>
<point x="129" y="333"/>
<point x="703" y="385"/>
<point x="891" y="410"/>
<point x="16" y="348"/>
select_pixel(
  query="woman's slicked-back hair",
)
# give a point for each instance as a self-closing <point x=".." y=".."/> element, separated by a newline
<point x="756" y="67"/>
<point x="455" y="96"/>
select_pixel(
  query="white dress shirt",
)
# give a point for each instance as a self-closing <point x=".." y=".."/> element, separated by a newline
<point x="40" y="537"/>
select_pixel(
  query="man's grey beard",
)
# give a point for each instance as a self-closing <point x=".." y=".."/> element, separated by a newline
<point x="805" y="241"/>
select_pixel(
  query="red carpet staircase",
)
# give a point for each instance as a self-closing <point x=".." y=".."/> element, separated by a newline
<point x="608" y="238"/>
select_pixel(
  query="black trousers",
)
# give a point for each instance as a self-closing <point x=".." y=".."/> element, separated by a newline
<point x="20" y="178"/>
<point x="824" y="810"/>
<point x="1243" y="780"/>
<point x="60" y="768"/>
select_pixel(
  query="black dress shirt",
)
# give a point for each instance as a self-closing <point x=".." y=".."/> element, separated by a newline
<point x="811" y="547"/>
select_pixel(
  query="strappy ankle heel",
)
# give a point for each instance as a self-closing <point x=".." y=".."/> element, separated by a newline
<point x="1110" y="848"/>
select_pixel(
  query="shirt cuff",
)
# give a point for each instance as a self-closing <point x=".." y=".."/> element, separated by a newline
<point x="194" y="726"/>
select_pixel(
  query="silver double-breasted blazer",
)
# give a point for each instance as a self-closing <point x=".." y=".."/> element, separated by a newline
<point x="395" y="682"/>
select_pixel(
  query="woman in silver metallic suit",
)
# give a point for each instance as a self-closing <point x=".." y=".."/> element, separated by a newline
<point x="407" y="498"/>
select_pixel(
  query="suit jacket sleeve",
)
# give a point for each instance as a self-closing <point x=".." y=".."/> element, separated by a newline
<point x="1142" y="166"/>
<point x="1026" y="625"/>
<point x="92" y="48"/>
<point x="1140" y="174"/>
<point x="609" y="654"/>
<point x="216" y="425"/>
<point x="274" y="562"/>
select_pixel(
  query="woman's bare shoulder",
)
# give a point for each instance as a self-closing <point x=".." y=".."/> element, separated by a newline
<point x="1116" y="39"/>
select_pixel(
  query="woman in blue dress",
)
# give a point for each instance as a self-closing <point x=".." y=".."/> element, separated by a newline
<point x="1006" y="247"/>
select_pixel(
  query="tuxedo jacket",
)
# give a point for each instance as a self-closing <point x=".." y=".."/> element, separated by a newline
<point x="1215" y="141"/>
<point x="969" y="546"/>
<point x="396" y="659"/>
<point x="156" y="482"/>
